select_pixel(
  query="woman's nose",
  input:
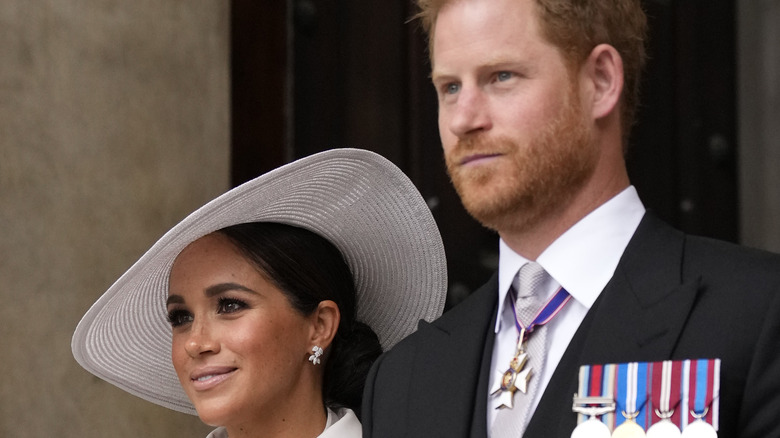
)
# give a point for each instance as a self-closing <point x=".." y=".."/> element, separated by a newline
<point x="201" y="339"/>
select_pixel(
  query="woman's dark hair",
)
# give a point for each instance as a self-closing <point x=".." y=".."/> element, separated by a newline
<point x="309" y="269"/>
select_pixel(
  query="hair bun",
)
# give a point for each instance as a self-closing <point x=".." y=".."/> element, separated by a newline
<point x="351" y="357"/>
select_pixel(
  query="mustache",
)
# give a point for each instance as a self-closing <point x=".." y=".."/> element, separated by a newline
<point x="468" y="147"/>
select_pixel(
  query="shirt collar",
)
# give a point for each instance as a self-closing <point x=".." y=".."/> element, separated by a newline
<point x="584" y="258"/>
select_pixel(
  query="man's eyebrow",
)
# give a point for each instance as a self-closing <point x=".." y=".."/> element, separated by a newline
<point x="211" y="291"/>
<point x="497" y="62"/>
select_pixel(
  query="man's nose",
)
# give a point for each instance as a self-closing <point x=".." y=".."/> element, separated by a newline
<point x="470" y="113"/>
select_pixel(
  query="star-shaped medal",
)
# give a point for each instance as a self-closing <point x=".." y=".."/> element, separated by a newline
<point x="514" y="379"/>
<point x="522" y="376"/>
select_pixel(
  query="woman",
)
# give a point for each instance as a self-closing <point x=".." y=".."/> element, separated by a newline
<point x="263" y="310"/>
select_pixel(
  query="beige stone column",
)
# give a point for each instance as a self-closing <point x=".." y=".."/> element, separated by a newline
<point x="759" y="122"/>
<point x="114" y="124"/>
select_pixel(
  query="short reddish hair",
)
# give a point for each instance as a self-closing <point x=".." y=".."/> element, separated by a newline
<point x="576" y="27"/>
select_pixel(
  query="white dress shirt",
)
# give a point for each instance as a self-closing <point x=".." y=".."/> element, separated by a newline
<point x="582" y="261"/>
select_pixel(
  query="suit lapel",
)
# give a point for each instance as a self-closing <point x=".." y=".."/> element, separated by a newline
<point x="451" y="362"/>
<point x="638" y="317"/>
<point x="643" y="309"/>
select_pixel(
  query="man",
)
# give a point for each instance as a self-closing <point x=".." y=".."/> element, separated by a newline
<point x="536" y="98"/>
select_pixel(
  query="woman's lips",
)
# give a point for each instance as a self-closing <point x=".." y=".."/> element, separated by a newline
<point x="207" y="378"/>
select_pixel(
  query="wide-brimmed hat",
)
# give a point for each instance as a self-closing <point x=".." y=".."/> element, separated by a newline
<point x="356" y="199"/>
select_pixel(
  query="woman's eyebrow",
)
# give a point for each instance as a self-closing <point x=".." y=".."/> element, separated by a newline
<point x="174" y="299"/>
<point x="221" y="288"/>
<point x="211" y="291"/>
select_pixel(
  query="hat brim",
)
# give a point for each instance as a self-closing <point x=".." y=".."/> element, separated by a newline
<point x="355" y="198"/>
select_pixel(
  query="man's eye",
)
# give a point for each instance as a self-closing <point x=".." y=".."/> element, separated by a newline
<point x="179" y="317"/>
<point x="504" y="76"/>
<point x="452" y="88"/>
<point x="230" y="305"/>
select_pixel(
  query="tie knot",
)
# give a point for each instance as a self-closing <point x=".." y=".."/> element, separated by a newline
<point x="529" y="278"/>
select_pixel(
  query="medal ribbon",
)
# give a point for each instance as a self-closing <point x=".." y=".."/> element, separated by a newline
<point x="598" y="381"/>
<point x="543" y="316"/>
<point x="631" y="395"/>
<point x="703" y="390"/>
<point x="680" y="386"/>
<point x="684" y="387"/>
<point x="665" y="390"/>
<point x="547" y="312"/>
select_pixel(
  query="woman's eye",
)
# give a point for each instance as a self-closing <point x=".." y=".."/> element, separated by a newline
<point x="230" y="305"/>
<point x="179" y="317"/>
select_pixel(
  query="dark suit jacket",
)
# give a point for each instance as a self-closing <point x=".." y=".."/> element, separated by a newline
<point x="672" y="296"/>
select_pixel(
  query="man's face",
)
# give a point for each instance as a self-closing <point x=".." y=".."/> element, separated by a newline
<point x="516" y="139"/>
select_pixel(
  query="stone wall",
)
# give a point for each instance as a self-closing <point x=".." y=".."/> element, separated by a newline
<point x="114" y="124"/>
<point x="759" y="122"/>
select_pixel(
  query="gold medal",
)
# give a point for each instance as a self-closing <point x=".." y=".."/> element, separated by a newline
<point x="630" y="396"/>
<point x="629" y="428"/>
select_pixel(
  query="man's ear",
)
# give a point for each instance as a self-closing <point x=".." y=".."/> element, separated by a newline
<point x="325" y="323"/>
<point x="604" y="70"/>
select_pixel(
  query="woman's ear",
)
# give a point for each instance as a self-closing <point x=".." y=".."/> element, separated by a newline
<point x="604" y="70"/>
<point x="325" y="323"/>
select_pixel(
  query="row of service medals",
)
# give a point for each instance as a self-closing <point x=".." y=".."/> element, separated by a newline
<point x="627" y="388"/>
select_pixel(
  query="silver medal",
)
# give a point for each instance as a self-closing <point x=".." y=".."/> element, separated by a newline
<point x="593" y="428"/>
<point x="663" y="429"/>
<point x="593" y="407"/>
<point x="699" y="429"/>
